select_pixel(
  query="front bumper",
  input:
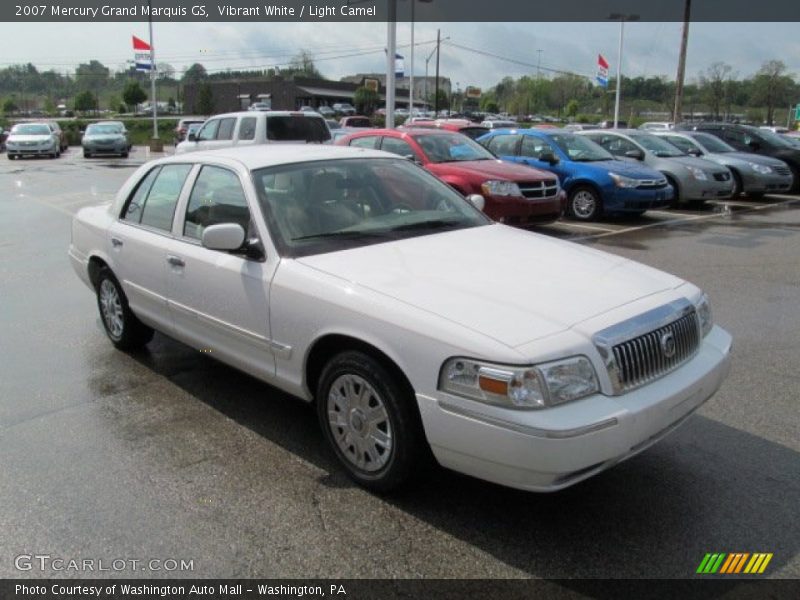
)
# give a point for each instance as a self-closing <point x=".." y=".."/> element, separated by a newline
<point x="637" y="199"/>
<point x="551" y="449"/>
<point x="698" y="189"/>
<point x="518" y="210"/>
<point x="19" y="150"/>
<point x="758" y="183"/>
<point x="115" y="148"/>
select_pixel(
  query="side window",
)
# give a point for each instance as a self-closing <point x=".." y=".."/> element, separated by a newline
<point x="368" y="141"/>
<point x="217" y="197"/>
<point x="534" y="147"/>
<point x="247" y="128"/>
<point x="681" y="143"/>
<point x="209" y="131"/>
<point x="399" y="147"/>
<point x="504" y="145"/>
<point x="133" y="209"/>
<point x="225" y="129"/>
<point x="616" y="145"/>
<point x="159" y="207"/>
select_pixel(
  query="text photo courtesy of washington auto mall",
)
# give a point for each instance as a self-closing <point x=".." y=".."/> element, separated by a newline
<point x="384" y="299"/>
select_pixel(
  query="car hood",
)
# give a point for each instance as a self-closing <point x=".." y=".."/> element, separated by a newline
<point x="20" y="137"/>
<point x="635" y="170"/>
<point x="697" y="163"/>
<point x="491" y="169"/>
<point x="511" y="285"/>
<point x="730" y="158"/>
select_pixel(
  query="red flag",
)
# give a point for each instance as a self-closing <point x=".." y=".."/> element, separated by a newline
<point x="601" y="62"/>
<point x="140" y="44"/>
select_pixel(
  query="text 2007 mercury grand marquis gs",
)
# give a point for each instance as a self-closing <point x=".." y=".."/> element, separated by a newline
<point x="515" y="357"/>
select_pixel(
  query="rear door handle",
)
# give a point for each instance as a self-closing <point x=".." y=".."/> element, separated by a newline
<point x="116" y="242"/>
<point x="175" y="261"/>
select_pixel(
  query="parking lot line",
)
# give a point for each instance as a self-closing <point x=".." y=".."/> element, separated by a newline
<point x="706" y="217"/>
<point x="583" y="226"/>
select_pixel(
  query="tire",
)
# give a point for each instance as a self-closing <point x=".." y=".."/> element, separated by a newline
<point x="124" y="154"/>
<point x="756" y="196"/>
<point x="86" y="154"/>
<point x="676" y="198"/>
<point x="584" y="204"/>
<point x="122" y="327"/>
<point x="369" y="420"/>
<point x="11" y="157"/>
<point x="738" y="188"/>
<point x="795" y="189"/>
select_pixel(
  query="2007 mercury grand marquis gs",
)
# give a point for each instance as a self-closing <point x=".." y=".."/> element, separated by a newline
<point x="515" y="357"/>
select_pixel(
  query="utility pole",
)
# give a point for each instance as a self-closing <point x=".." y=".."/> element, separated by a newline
<point x="539" y="64"/>
<point x="153" y="72"/>
<point x="436" y="90"/>
<point x="677" y="113"/>
<point x="390" y="60"/>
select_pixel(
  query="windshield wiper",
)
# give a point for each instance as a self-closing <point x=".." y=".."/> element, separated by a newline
<point x="343" y="235"/>
<point x="433" y="224"/>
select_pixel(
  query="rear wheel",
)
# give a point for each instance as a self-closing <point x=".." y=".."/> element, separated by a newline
<point x="584" y="204"/>
<point x="369" y="421"/>
<point x="124" y="330"/>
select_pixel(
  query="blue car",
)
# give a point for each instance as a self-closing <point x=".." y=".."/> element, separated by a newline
<point x="595" y="182"/>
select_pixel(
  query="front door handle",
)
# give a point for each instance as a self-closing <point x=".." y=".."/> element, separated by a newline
<point x="175" y="261"/>
<point x="116" y="242"/>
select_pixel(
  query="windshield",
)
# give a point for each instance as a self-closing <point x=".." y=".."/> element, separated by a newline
<point x="656" y="145"/>
<point x="102" y="129"/>
<point x="454" y="147"/>
<point x="768" y="136"/>
<point x="580" y="149"/>
<point x="325" y="206"/>
<point x="31" y="129"/>
<point x="712" y="143"/>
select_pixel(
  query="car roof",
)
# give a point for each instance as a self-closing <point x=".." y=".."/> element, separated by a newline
<point x="270" y="113"/>
<point x="268" y="155"/>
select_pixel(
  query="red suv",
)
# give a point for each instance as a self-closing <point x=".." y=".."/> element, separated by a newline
<point x="514" y="194"/>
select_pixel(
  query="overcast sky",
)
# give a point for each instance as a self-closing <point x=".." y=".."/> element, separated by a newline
<point x="346" y="48"/>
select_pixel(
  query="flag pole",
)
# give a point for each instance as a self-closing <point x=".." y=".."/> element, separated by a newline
<point x="154" y="102"/>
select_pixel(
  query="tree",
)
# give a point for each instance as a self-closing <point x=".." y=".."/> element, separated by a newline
<point x="302" y="65"/>
<point x="715" y="84"/>
<point x="133" y="94"/>
<point x="9" y="106"/>
<point x="771" y="87"/>
<point x="85" y="101"/>
<point x="572" y="108"/>
<point x="195" y="73"/>
<point x="365" y="100"/>
<point x="205" y="99"/>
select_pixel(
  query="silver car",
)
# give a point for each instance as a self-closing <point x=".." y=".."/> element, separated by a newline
<point x="104" y="138"/>
<point x="694" y="179"/>
<point x="32" y="139"/>
<point x="753" y="174"/>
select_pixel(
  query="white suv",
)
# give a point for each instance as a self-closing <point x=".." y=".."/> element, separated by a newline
<point x="249" y="128"/>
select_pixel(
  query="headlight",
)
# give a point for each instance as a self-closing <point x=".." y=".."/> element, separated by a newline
<point x="703" y="308"/>
<point x="522" y="388"/>
<point x="697" y="173"/>
<point x="622" y="181"/>
<point x="500" y="188"/>
<point x="763" y="169"/>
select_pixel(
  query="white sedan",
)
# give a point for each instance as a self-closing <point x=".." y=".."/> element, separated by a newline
<point x="355" y="280"/>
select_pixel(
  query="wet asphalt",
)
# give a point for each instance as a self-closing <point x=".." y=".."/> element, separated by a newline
<point x="167" y="454"/>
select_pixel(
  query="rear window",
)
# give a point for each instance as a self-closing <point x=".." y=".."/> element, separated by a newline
<point x="297" y="129"/>
<point x="358" y="122"/>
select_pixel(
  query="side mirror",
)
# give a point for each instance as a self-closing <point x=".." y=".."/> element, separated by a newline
<point x="477" y="201"/>
<point x="548" y="157"/>
<point x="754" y="145"/>
<point x="637" y="154"/>
<point x="412" y="158"/>
<point x="223" y="236"/>
<point x="694" y="152"/>
<point x="192" y="137"/>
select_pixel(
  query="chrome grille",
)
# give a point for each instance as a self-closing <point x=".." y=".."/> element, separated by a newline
<point x="649" y="346"/>
<point x="546" y="188"/>
<point x="782" y="170"/>
<point x="646" y="357"/>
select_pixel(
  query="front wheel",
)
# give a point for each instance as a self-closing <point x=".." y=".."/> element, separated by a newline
<point x="124" y="330"/>
<point x="584" y="204"/>
<point x="738" y="187"/>
<point x="369" y="420"/>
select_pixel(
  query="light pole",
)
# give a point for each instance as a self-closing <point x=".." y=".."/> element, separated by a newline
<point x="411" y="74"/>
<point x="621" y="18"/>
<point x="428" y="60"/>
